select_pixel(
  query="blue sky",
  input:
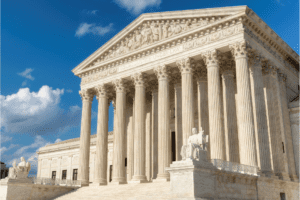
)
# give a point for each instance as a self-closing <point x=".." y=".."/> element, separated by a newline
<point x="42" y="41"/>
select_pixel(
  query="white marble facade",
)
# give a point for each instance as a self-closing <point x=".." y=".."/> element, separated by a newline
<point x="221" y="69"/>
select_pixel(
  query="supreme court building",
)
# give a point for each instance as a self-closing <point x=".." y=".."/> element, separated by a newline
<point x="223" y="70"/>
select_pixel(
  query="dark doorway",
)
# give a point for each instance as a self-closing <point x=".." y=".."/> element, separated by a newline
<point x="173" y="137"/>
<point x="75" y="173"/>
<point x="110" y="173"/>
<point x="282" y="196"/>
<point x="53" y="175"/>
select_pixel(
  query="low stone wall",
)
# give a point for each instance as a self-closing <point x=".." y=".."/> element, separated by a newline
<point x="29" y="191"/>
<point x="199" y="180"/>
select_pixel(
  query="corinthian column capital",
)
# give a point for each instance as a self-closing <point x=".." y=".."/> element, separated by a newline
<point x="240" y="49"/>
<point x="185" y="65"/>
<point x="162" y="72"/>
<point x="101" y="91"/>
<point x="269" y="68"/>
<point x="211" y="57"/>
<point x="86" y="95"/>
<point x="119" y="85"/>
<point x="282" y="77"/>
<point x="255" y="59"/>
<point x="139" y="79"/>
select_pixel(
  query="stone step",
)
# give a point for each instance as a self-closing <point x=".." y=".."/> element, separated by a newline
<point x="144" y="191"/>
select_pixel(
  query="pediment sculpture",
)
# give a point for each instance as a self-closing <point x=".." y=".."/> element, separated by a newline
<point x="196" y="148"/>
<point x="19" y="171"/>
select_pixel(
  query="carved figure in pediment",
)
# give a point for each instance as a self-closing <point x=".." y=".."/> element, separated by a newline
<point x="155" y="32"/>
<point x="165" y="30"/>
<point x="138" y="40"/>
<point x="177" y="28"/>
<point x="147" y="34"/>
<point x="171" y="29"/>
<point x="122" y="49"/>
<point x="186" y="26"/>
<point x="130" y="43"/>
<point x="203" y="22"/>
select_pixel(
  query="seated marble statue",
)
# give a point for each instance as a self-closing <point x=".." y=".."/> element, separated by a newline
<point x="21" y="171"/>
<point x="196" y="147"/>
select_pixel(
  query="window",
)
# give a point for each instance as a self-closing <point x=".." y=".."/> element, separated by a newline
<point x="125" y="162"/>
<point x="75" y="172"/>
<point x="53" y="175"/>
<point x="64" y="174"/>
<point x="282" y="196"/>
<point x="283" y="147"/>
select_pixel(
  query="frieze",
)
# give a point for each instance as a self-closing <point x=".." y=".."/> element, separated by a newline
<point x="98" y="75"/>
<point x="201" y="39"/>
<point x="153" y="31"/>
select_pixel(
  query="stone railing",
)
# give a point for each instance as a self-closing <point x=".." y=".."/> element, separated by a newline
<point x="235" y="167"/>
<point x="59" y="182"/>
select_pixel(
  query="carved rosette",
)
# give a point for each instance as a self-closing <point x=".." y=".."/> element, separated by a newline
<point x="162" y="72"/>
<point x="211" y="58"/>
<point x="139" y="79"/>
<point x="119" y="85"/>
<point x="86" y="95"/>
<point x="240" y="49"/>
<point x="185" y="65"/>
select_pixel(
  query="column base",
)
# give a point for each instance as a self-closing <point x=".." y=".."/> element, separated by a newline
<point x="139" y="179"/>
<point x="283" y="176"/>
<point x="294" y="178"/>
<point x="118" y="181"/>
<point x="98" y="184"/>
<point x="162" y="178"/>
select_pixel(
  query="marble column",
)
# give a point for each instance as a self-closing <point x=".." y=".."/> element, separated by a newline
<point x="216" y="135"/>
<point x="230" y="119"/>
<point x="139" y="131"/>
<point x="178" y="120"/>
<point x="85" y="133"/>
<point x="273" y="132"/>
<point x="246" y="132"/>
<point x="186" y="69"/>
<point x="203" y="114"/>
<point x="154" y="129"/>
<point x="58" y="172"/>
<point x="148" y="140"/>
<point x="162" y="74"/>
<point x="287" y="128"/>
<point x="100" y="176"/>
<point x="259" y="115"/>
<point x="119" y="136"/>
<point x="50" y="170"/>
<point x="39" y="168"/>
<point x="70" y="173"/>
<point x="130" y="143"/>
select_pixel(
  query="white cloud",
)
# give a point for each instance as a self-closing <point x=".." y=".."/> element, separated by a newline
<point x="57" y="140"/>
<point x="27" y="74"/>
<point x="24" y="83"/>
<point x="137" y="6"/>
<point x="85" y="28"/>
<point x="90" y="12"/>
<point x="3" y="149"/>
<point x="37" y="113"/>
<point x="39" y="141"/>
<point x="4" y="138"/>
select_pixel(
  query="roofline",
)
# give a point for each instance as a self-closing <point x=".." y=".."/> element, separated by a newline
<point x="124" y="31"/>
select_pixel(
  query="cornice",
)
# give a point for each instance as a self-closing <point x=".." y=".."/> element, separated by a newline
<point x="209" y="12"/>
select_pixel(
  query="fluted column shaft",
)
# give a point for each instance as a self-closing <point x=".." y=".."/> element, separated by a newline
<point x="178" y="120"/>
<point x="203" y="114"/>
<point x="260" y="119"/>
<point x="287" y="129"/>
<point x="100" y="177"/>
<point x="154" y="133"/>
<point x="119" y="135"/>
<point x="246" y="127"/>
<point x="217" y="146"/>
<point x="163" y="122"/>
<point x="85" y="133"/>
<point x="148" y="141"/>
<point x="139" y="131"/>
<point x="186" y="70"/>
<point x="230" y="119"/>
<point x="130" y="143"/>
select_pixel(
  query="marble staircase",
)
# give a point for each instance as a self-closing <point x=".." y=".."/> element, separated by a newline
<point x="145" y="191"/>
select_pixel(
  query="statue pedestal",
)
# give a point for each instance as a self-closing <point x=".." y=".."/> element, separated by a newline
<point x="191" y="179"/>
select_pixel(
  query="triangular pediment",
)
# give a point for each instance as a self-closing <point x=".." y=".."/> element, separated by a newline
<point x="151" y="28"/>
